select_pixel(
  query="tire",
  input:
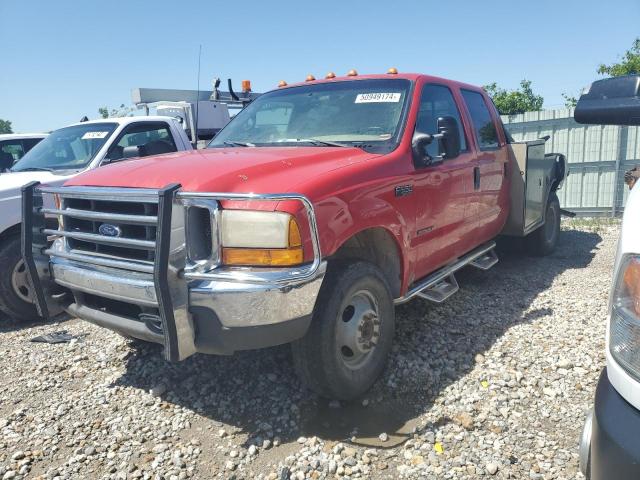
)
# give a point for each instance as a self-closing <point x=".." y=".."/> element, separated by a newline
<point x="15" y="288"/>
<point x="543" y="241"/>
<point x="348" y="342"/>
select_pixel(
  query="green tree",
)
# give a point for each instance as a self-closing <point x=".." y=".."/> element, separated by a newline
<point x="628" y="65"/>
<point x="121" y="111"/>
<point x="5" y="126"/>
<point x="513" y="102"/>
<point x="569" y="100"/>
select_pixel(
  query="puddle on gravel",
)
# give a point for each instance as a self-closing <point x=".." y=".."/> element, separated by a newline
<point x="361" y="425"/>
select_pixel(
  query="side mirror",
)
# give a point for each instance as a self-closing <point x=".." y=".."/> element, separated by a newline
<point x="133" y="151"/>
<point x="450" y="131"/>
<point x="611" y="101"/>
<point x="449" y="137"/>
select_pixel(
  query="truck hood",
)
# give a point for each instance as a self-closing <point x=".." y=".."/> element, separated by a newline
<point x="239" y="170"/>
<point x="12" y="182"/>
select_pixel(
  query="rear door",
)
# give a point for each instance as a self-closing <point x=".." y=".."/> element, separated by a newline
<point x="441" y="223"/>
<point x="486" y="203"/>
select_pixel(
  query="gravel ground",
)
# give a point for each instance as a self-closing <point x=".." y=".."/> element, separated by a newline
<point x="493" y="383"/>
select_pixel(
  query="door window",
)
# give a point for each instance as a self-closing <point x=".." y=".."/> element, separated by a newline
<point x="29" y="143"/>
<point x="156" y="139"/>
<point x="437" y="101"/>
<point x="10" y="152"/>
<point x="485" y="129"/>
<point x="13" y="148"/>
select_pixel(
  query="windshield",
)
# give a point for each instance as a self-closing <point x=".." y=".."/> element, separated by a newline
<point x="363" y="113"/>
<point x="69" y="148"/>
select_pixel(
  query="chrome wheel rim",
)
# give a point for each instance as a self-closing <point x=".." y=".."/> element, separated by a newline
<point x="358" y="330"/>
<point x="20" y="282"/>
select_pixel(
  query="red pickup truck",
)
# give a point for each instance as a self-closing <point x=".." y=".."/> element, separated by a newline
<point x="314" y="212"/>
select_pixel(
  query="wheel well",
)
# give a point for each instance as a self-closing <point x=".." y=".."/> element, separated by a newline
<point x="9" y="232"/>
<point x="377" y="246"/>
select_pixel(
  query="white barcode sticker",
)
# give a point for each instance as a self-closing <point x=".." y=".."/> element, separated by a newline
<point x="378" y="97"/>
<point x="94" y="135"/>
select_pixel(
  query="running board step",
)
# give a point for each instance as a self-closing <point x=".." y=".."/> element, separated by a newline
<point x="440" y="291"/>
<point x="486" y="261"/>
<point x="441" y="284"/>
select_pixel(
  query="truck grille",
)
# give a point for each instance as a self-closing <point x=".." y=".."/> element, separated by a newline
<point x="134" y="225"/>
<point x="118" y="228"/>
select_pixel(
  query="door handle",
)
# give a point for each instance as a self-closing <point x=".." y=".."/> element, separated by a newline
<point x="476" y="178"/>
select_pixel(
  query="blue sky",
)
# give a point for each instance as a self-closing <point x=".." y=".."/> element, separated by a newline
<point x="63" y="59"/>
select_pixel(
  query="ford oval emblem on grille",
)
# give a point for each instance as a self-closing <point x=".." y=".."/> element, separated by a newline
<point x="109" y="230"/>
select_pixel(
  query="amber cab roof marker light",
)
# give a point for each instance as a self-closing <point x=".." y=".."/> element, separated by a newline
<point x="246" y="85"/>
<point x="330" y="75"/>
<point x="392" y="71"/>
<point x="310" y="78"/>
<point x="352" y="73"/>
<point x="282" y="83"/>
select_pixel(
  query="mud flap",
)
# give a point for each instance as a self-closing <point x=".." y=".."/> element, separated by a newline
<point x="34" y="243"/>
<point x="170" y="285"/>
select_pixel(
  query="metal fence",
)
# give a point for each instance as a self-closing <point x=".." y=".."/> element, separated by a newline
<point x="597" y="156"/>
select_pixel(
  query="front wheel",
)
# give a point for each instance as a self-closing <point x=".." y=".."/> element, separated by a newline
<point x="543" y="241"/>
<point x="16" y="293"/>
<point x="347" y="345"/>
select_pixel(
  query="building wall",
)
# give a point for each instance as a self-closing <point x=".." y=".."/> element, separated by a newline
<point x="597" y="156"/>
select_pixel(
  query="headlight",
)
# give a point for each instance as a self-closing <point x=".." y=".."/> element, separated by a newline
<point x="265" y="239"/>
<point x="624" y="331"/>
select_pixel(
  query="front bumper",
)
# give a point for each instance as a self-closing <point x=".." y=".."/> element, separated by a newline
<point x="614" y="450"/>
<point x="225" y="316"/>
<point x="170" y="300"/>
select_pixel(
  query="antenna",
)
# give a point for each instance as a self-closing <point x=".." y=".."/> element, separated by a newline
<point x="195" y="127"/>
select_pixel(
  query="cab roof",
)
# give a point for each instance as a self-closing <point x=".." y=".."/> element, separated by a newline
<point x="18" y="136"/>
<point x="385" y="76"/>
<point x="125" y="120"/>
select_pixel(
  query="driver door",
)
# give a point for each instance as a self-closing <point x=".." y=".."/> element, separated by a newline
<point x="442" y="193"/>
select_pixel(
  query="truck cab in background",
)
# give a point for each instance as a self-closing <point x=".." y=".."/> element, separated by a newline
<point x="63" y="154"/>
<point x="609" y="447"/>
<point x="13" y="147"/>
<point x="315" y="211"/>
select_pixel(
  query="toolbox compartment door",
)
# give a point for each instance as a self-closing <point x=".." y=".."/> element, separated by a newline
<point x="532" y="174"/>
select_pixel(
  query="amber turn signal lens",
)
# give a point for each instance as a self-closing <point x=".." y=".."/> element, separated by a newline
<point x="295" y="239"/>
<point x="352" y="73"/>
<point x="632" y="282"/>
<point x="262" y="257"/>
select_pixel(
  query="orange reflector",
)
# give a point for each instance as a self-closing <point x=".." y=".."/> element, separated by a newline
<point x="295" y="239"/>
<point x="282" y="83"/>
<point x="246" y="85"/>
<point x="330" y="75"/>
<point x="632" y="282"/>
<point x="262" y="257"/>
<point x="352" y="73"/>
<point x="392" y="71"/>
<point x="310" y="78"/>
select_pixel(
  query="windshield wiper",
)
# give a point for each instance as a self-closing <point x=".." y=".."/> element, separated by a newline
<point x="34" y="169"/>
<point x="315" y="141"/>
<point x="238" y="144"/>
